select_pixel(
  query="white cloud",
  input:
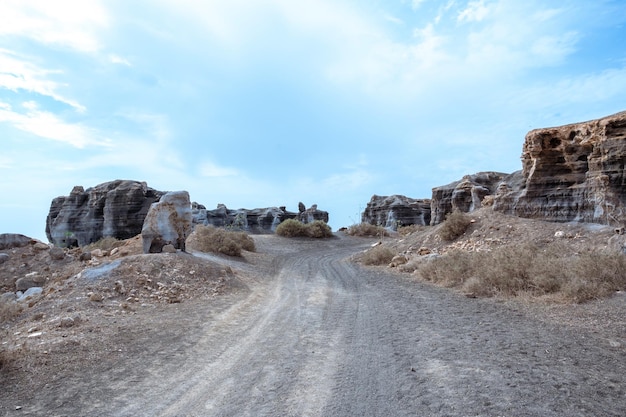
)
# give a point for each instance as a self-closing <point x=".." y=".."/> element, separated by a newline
<point x="476" y="11"/>
<point x="17" y="73"/>
<point x="209" y="169"/>
<point x="116" y="59"/>
<point x="415" y="4"/>
<point x="49" y="126"/>
<point x="61" y="22"/>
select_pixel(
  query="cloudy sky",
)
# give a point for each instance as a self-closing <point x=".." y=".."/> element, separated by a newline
<point x="260" y="103"/>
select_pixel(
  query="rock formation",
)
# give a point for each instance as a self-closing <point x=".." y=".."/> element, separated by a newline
<point x="465" y="195"/>
<point x="14" y="240"/>
<point x="572" y="173"/>
<point x="116" y="209"/>
<point x="260" y="220"/>
<point x="168" y="222"/>
<point x="396" y="210"/>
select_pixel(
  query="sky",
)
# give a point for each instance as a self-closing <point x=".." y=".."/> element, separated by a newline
<point x="265" y="103"/>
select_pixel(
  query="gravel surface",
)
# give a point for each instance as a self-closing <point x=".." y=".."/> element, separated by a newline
<point x="316" y="335"/>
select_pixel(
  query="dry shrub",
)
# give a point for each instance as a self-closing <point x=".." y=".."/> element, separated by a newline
<point x="378" y="255"/>
<point x="529" y="269"/>
<point x="291" y="228"/>
<point x="410" y="229"/>
<point x="295" y="228"/>
<point x="455" y="225"/>
<point x="366" y="229"/>
<point x="106" y="243"/>
<point x="217" y="240"/>
<point x="319" y="229"/>
<point x="8" y="310"/>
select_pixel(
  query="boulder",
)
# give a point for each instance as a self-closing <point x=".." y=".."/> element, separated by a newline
<point x="4" y="257"/>
<point x="30" y="280"/>
<point x="112" y="209"/>
<point x="396" y="210"/>
<point x="572" y="173"/>
<point x="56" y="254"/>
<point x="13" y="240"/>
<point x="168" y="222"/>
<point x="465" y="195"/>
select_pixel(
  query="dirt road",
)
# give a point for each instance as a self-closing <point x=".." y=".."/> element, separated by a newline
<point x="320" y="336"/>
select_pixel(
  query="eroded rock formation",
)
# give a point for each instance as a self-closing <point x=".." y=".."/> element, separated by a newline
<point x="116" y="208"/>
<point x="465" y="195"/>
<point x="168" y="222"/>
<point x="396" y="210"/>
<point x="572" y="173"/>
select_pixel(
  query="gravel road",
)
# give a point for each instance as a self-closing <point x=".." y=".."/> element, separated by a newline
<point x="320" y="336"/>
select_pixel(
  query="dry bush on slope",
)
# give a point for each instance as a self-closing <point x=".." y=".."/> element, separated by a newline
<point x="366" y="229"/>
<point x="528" y="269"/>
<point x="295" y="228"/>
<point x="106" y="243"/>
<point x="378" y="255"/>
<point x="217" y="240"/>
<point x="455" y="225"/>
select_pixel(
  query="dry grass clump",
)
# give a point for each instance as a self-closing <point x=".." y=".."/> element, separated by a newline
<point x="378" y="255"/>
<point x="295" y="228"/>
<point x="410" y="229"/>
<point x="8" y="310"/>
<point x="529" y="269"/>
<point x="455" y="225"/>
<point x="366" y="229"/>
<point x="106" y="243"/>
<point x="217" y="240"/>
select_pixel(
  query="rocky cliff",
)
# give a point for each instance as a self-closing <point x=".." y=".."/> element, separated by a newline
<point x="116" y="208"/>
<point x="396" y="210"/>
<point x="465" y="195"/>
<point x="571" y="173"/>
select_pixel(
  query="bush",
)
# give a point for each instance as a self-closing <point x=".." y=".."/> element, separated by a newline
<point x="410" y="229"/>
<point x="291" y="228"/>
<point x="295" y="228"/>
<point x="106" y="243"/>
<point x="455" y="225"/>
<point x="366" y="229"/>
<point x="529" y="269"/>
<point x="378" y="255"/>
<point x="217" y="240"/>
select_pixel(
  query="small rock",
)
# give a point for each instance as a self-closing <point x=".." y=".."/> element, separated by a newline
<point x="114" y="251"/>
<point x="85" y="256"/>
<point x="424" y="251"/>
<point x="398" y="260"/>
<point x="98" y="253"/>
<point x="57" y="253"/>
<point x="4" y="257"/>
<point x="40" y="246"/>
<point x="119" y="287"/>
<point x="67" y="322"/>
<point x="7" y="297"/>
<point x="168" y="249"/>
<point x="559" y="234"/>
<point x="95" y="297"/>
<point x="30" y="293"/>
<point x="36" y="334"/>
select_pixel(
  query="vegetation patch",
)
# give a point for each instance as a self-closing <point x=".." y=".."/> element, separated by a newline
<point x="530" y="269"/>
<point x="378" y="255"/>
<point x="454" y="226"/>
<point x="366" y="229"/>
<point x="294" y="228"/>
<point x="105" y="244"/>
<point x="218" y="240"/>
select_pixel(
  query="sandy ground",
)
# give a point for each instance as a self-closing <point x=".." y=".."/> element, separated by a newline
<point x="296" y="329"/>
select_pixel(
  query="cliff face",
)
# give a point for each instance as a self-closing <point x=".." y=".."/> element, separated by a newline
<point x="396" y="210"/>
<point x="113" y="209"/>
<point x="572" y="173"/>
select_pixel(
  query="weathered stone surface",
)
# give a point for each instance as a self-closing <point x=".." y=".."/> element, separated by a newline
<point x="259" y="220"/>
<point x="3" y="258"/>
<point x="168" y="222"/>
<point x="56" y="254"/>
<point x="29" y="281"/>
<point x="572" y="173"/>
<point x="396" y="210"/>
<point x="13" y="240"/>
<point x="112" y="209"/>
<point x="465" y="195"/>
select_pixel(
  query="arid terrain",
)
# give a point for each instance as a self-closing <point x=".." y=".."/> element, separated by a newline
<point x="300" y="328"/>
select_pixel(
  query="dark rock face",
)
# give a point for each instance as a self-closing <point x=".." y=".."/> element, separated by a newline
<point x="168" y="223"/>
<point x="572" y="173"/>
<point x="113" y="209"/>
<point x="396" y="210"/>
<point x="260" y="220"/>
<point x="465" y="195"/>
<point x="13" y="240"/>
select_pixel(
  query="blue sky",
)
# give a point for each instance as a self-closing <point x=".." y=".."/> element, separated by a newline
<point x="271" y="102"/>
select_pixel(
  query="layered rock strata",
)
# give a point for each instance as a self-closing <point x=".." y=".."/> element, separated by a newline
<point x="113" y="209"/>
<point x="396" y="210"/>
<point x="572" y="173"/>
<point x="168" y="223"/>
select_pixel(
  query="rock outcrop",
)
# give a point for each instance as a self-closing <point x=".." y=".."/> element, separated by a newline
<point x="168" y="222"/>
<point x="465" y="195"/>
<point x="571" y="173"/>
<point x="112" y="209"/>
<point x="396" y="210"/>
<point x="14" y="240"/>
<point x="259" y="220"/>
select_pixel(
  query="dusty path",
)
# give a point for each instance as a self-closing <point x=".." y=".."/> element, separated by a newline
<point x="319" y="336"/>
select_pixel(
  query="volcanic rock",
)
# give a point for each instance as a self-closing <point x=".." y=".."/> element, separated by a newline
<point x="13" y="240"/>
<point x="465" y="195"/>
<point x="312" y="214"/>
<point x="168" y="222"/>
<point x="397" y="210"/>
<point x="112" y="209"/>
<point x="572" y="173"/>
